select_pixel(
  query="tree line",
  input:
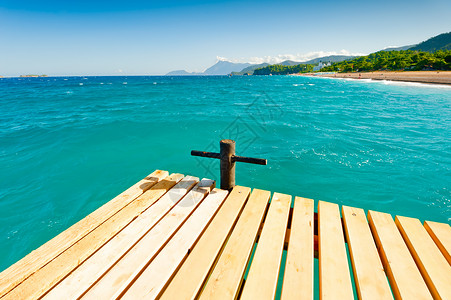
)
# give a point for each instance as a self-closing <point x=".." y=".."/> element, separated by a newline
<point x="407" y="60"/>
<point x="404" y="60"/>
<point x="283" y="70"/>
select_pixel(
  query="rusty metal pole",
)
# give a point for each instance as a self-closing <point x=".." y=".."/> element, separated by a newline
<point x="227" y="152"/>
<point x="227" y="159"/>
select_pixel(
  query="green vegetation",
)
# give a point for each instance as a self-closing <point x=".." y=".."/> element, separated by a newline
<point x="283" y="70"/>
<point x="439" y="42"/>
<point x="250" y="70"/>
<point x="432" y="54"/>
<point x="395" y="61"/>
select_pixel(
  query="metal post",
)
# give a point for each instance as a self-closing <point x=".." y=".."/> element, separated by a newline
<point x="227" y="151"/>
<point x="227" y="159"/>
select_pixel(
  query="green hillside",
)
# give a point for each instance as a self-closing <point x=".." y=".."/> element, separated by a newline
<point x="283" y="70"/>
<point x="439" y="42"/>
<point x="289" y="63"/>
<point x="250" y="69"/>
<point x="395" y="61"/>
<point x="331" y="58"/>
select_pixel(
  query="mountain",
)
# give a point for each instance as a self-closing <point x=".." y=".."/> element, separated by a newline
<point x="439" y="42"/>
<point x="182" y="73"/>
<point x="289" y="63"/>
<point x="223" y="67"/>
<point x="398" y="48"/>
<point x="331" y="58"/>
<point x="250" y="69"/>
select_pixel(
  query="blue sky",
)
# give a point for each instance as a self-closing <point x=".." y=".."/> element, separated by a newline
<point x="155" y="37"/>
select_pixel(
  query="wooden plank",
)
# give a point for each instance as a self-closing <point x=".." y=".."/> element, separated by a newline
<point x="38" y="258"/>
<point x="369" y="275"/>
<point x="261" y="282"/>
<point x="405" y="279"/>
<point x="154" y="278"/>
<point x="42" y="280"/>
<point x="82" y="278"/>
<point x="334" y="276"/>
<point x="441" y="234"/>
<point x="190" y="277"/>
<point x="228" y="273"/>
<point x="432" y="264"/>
<point x="137" y="258"/>
<point x="299" y="266"/>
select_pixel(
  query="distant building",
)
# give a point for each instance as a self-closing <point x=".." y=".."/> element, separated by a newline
<point x="320" y="66"/>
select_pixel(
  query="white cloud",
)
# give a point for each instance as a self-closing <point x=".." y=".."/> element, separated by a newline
<point x="219" y="58"/>
<point x="282" y="57"/>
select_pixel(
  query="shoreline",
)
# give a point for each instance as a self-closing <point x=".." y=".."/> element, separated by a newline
<point x="430" y="77"/>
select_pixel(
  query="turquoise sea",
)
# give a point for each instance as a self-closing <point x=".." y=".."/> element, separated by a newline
<point x="70" y="144"/>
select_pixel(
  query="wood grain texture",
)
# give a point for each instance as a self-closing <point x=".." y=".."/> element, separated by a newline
<point x="432" y="264"/>
<point x="42" y="280"/>
<point x="155" y="277"/>
<point x="261" y="282"/>
<point x="227" y="275"/>
<point x="334" y="276"/>
<point x="82" y="278"/>
<point x="126" y="270"/>
<point x="190" y="277"/>
<point x="38" y="258"/>
<point x="441" y="234"/>
<point x="298" y="277"/>
<point x="402" y="272"/>
<point x="369" y="275"/>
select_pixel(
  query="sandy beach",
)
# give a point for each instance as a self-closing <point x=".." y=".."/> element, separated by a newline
<point x="435" y="77"/>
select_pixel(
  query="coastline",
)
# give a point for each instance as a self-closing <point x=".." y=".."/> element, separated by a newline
<point x="432" y="77"/>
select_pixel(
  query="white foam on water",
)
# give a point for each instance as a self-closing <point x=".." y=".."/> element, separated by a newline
<point x="415" y="84"/>
<point x="311" y="84"/>
<point x="81" y="83"/>
<point x="124" y="82"/>
<point x="394" y="83"/>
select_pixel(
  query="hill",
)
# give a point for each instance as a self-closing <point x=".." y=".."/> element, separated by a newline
<point x="331" y="58"/>
<point x="182" y="73"/>
<point x="222" y="67"/>
<point x="395" y="61"/>
<point x="250" y="70"/>
<point x="225" y="67"/>
<point x="439" y="42"/>
<point x="398" y="48"/>
<point x="283" y="70"/>
<point x="290" y="63"/>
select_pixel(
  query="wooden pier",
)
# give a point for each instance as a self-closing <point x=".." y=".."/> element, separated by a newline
<point x="178" y="237"/>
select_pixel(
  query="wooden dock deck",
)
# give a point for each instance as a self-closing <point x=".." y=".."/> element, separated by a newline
<point x="178" y="237"/>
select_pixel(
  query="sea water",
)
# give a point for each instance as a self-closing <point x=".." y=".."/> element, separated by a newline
<point x="70" y="144"/>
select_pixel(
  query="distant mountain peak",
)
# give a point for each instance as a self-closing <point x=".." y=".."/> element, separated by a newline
<point x="182" y="73"/>
<point x="221" y="67"/>
<point x="224" y="67"/>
